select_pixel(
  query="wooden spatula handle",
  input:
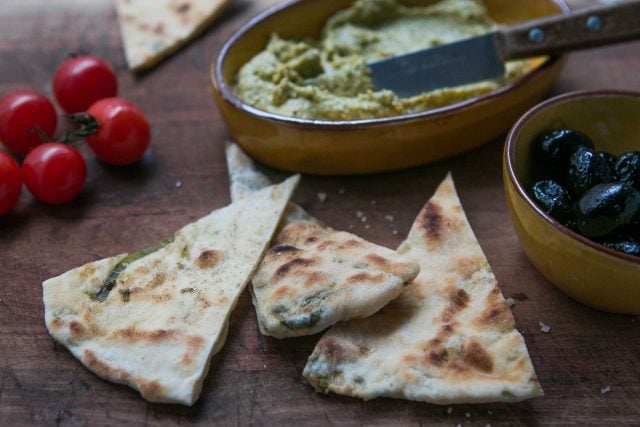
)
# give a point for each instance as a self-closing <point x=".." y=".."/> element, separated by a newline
<point x="581" y="29"/>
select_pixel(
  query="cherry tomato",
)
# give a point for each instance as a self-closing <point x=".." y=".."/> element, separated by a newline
<point x="21" y="113"/>
<point x="81" y="81"/>
<point x="54" y="173"/>
<point x="123" y="131"/>
<point x="10" y="182"/>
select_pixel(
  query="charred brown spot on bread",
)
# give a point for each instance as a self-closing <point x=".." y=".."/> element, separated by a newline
<point x="314" y="278"/>
<point x="195" y="342"/>
<point x="76" y="329"/>
<point x="311" y="239"/>
<point x="187" y="290"/>
<point x="438" y="356"/>
<point x="352" y="243"/>
<point x="461" y="298"/>
<point x="281" y="292"/>
<point x="337" y="351"/>
<point x="466" y="266"/>
<point x="132" y="334"/>
<point x="150" y="390"/>
<point x="365" y="277"/>
<point x="410" y="359"/>
<point x="286" y="268"/>
<point x="326" y="245"/>
<point x="103" y="369"/>
<point x="186" y="359"/>
<point x="431" y="220"/>
<point x="208" y="258"/>
<point x="497" y="314"/>
<point x="283" y="248"/>
<point x="159" y="29"/>
<point x="477" y="357"/>
<point x="379" y="261"/>
<point x="183" y="7"/>
<point x="447" y="329"/>
<point x="57" y="323"/>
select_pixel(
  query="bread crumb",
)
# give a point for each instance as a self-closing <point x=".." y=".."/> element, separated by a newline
<point x="468" y="415"/>
<point x="341" y="191"/>
<point x="489" y="411"/>
<point x="367" y="226"/>
<point x="373" y="202"/>
<point x="322" y="197"/>
<point x="511" y="302"/>
<point x="359" y="214"/>
<point x="449" y="410"/>
<point x="605" y="390"/>
<point x="363" y="219"/>
<point x="394" y="232"/>
<point x="178" y="184"/>
<point x="389" y="218"/>
<point x="545" y="329"/>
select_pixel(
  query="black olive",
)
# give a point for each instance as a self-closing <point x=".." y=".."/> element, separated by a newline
<point x="555" y="201"/>
<point x="557" y="146"/>
<point x="607" y="207"/>
<point x="586" y="170"/>
<point x="628" y="246"/>
<point x="611" y="161"/>
<point x="628" y="168"/>
<point x="633" y="229"/>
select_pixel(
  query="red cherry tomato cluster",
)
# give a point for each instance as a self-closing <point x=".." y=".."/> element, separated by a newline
<point x="54" y="172"/>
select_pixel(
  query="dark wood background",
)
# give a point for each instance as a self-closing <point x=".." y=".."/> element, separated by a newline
<point x="256" y="380"/>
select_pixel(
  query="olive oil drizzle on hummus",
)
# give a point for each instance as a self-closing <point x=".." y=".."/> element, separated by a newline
<point x="328" y="79"/>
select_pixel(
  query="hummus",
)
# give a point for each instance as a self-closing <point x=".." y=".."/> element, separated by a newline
<point x="328" y="79"/>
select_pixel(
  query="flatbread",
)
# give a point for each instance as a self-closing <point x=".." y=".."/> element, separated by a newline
<point x="153" y="29"/>
<point x="449" y="338"/>
<point x="314" y="276"/>
<point x="167" y="312"/>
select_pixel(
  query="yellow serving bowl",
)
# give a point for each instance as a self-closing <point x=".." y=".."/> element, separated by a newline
<point x="590" y="273"/>
<point x="375" y="145"/>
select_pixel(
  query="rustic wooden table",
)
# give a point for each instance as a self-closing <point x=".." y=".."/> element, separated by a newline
<point x="257" y="380"/>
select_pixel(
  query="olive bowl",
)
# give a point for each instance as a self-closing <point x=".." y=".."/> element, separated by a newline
<point x="374" y="145"/>
<point x="584" y="270"/>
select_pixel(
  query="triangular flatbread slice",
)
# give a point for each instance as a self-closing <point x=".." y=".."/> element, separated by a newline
<point x="153" y="319"/>
<point x="153" y="29"/>
<point x="314" y="276"/>
<point x="449" y="338"/>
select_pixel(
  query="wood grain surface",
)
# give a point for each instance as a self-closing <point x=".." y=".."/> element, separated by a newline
<point x="256" y="380"/>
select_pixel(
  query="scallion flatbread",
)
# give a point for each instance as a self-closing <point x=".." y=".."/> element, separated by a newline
<point x="449" y="338"/>
<point x="314" y="276"/>
<point x="153" y="319"/>
<point x="154" y="29"/>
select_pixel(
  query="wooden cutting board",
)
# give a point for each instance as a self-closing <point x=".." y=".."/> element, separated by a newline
<point x="256" y="380"/>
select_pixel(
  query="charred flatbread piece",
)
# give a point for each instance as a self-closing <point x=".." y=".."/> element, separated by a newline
<point x="314" y="276"/>
<point x="449" y="338"/>
<point x="153" y="319"/>
<point x="154" y="29"/>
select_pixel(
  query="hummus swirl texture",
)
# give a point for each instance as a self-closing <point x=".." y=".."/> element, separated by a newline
<point x="328" y="79"/>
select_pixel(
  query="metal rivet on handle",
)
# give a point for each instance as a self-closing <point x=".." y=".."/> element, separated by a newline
<point x="595" y="23"/>
<point x="536" y="35"/>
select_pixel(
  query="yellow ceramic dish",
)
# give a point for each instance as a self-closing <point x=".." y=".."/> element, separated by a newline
<point x="590" y="273"/>
<point x="375" y="145"/>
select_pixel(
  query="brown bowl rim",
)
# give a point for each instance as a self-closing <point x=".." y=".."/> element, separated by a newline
<point x="509" y="156"/>
<point x="227" y="95"/>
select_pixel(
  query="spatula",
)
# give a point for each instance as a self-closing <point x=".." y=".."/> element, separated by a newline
<point x="482" y="58"/>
